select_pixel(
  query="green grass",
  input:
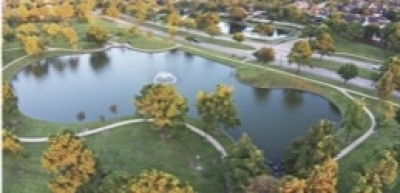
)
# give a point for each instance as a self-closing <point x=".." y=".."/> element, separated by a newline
<point x="367" y="154"/>
<point x="147" y="43"/>
<point x="334" y="66"/>
<point x="11" y="55"/>
<point x="131" y="148"/>
<point x="363" y="50"/>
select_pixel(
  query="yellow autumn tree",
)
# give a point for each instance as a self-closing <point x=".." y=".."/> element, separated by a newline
<point x="32" y="44"/>
<point x="53" y="30"/>
<point x="97" y="34"/>
<point x="71" y="36"/>
<point x="27" y="29"/>
<point x="69" y="161"/>
<point x="9" y="101"/>
<point x="158" y="181"/>
<point x="162" y="103"/>
<point x="22" y="13"/>
<point x="291" y="184"/>
<point x="11" y="143"/>
<point x="113" y="11"/>
<point x="67" y="11"/>
<point x="324" y="178"/>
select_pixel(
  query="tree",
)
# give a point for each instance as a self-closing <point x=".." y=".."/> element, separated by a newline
<point x="237" y="13"/>
<point x="97" y="34"/>
<point x="32" y="44"/>
<point x="207" y="19"/>
<point x="23" y="13"/>
<point x="66" y="11"/>
<point x="113" y="11"/>
<point x="319" y="145"/>
<point x="158" y="181"/>
<point x="370" y="31"/>
<point x="115" y="182"/>
<point x="290" y="184"/>
<point x="354" y="30"/>
<point x="387" y="112"/>
<point x="323" y="178"/>
<point x="71" y="36"/>
<point x="324" y="44"/>
<point x="213" y="30"/>
<point x="141" y="9"/>
<point x="53" y="30"/>
<point x="244" y="162"/>
<point x="348" y="71"/>
<point x="265" y="55"/>
<point x="380" y="177"/>
<point x="386" y="85"/>
<point x="11" y="143"/>
<point x="162" y="103"/>
<point x="262" y="184"/>
<point x="392" y="36"/>
<point x="9" y="101"/>
<point x="69" y="161"/>
<point x="188" y="23"/>
<point x="217" y="108"/>
<point x="353" y="117"/>
<point x="27" y="29"/>
<point x="264" y="29"/>
<point x="239" y="37"/>
<point x="300" y="54"/>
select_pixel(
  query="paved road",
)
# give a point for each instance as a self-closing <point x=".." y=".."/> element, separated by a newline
<point x="282" y="50"/>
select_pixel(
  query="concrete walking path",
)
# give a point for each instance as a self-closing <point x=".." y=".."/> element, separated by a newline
<point x="194" y="129"/>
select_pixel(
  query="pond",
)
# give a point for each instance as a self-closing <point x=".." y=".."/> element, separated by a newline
<point x="103" y="85"/>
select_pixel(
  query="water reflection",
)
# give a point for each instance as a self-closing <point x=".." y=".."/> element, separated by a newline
<point x="99" y="61"/>
<point x="39" y="69"/>
<point x="293" y="98"/>
<point x="261" y="93"/>
<point x="73" y="62"/>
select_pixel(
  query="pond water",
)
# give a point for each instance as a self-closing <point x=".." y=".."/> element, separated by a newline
<point x="103" y="84"/>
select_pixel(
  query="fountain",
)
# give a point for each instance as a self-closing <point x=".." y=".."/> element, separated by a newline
<point x="164" y="77"/>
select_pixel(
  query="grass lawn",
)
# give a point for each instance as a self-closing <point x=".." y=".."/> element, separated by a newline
<point x="131" y="148"/>
<point x="11" y="55"/>
<point x="334" y="66"/>
<point x="363" y="50"/>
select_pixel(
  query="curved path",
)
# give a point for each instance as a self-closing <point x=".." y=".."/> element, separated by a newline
<point x="194" y="129"/>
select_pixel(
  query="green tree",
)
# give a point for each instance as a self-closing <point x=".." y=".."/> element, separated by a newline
<point x="244" y="162"/>
<point x="324" y="44"/>
<point x="370" y="31"/>
<point x="386" y="85"/>
<point x="162" y="103"/>
<point x="97" y="34"/>
<point x="158" y="181"/>
<point x="300" y="54"/>
<point x="264" y="29"/>
<point x="348" y="71"/>
<point x="319" y="145"/>
<point x="265" y="54"/>
<point x="115" y="182"/>
<point x="386" y="112"/>
<point x="69" y="161"/>
<point x="239" y="37"/>
<point x="218" y="108"/>
<point x="353" y="117"/>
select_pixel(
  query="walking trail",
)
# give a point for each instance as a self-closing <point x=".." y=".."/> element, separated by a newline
<point x="209" y="138"/>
